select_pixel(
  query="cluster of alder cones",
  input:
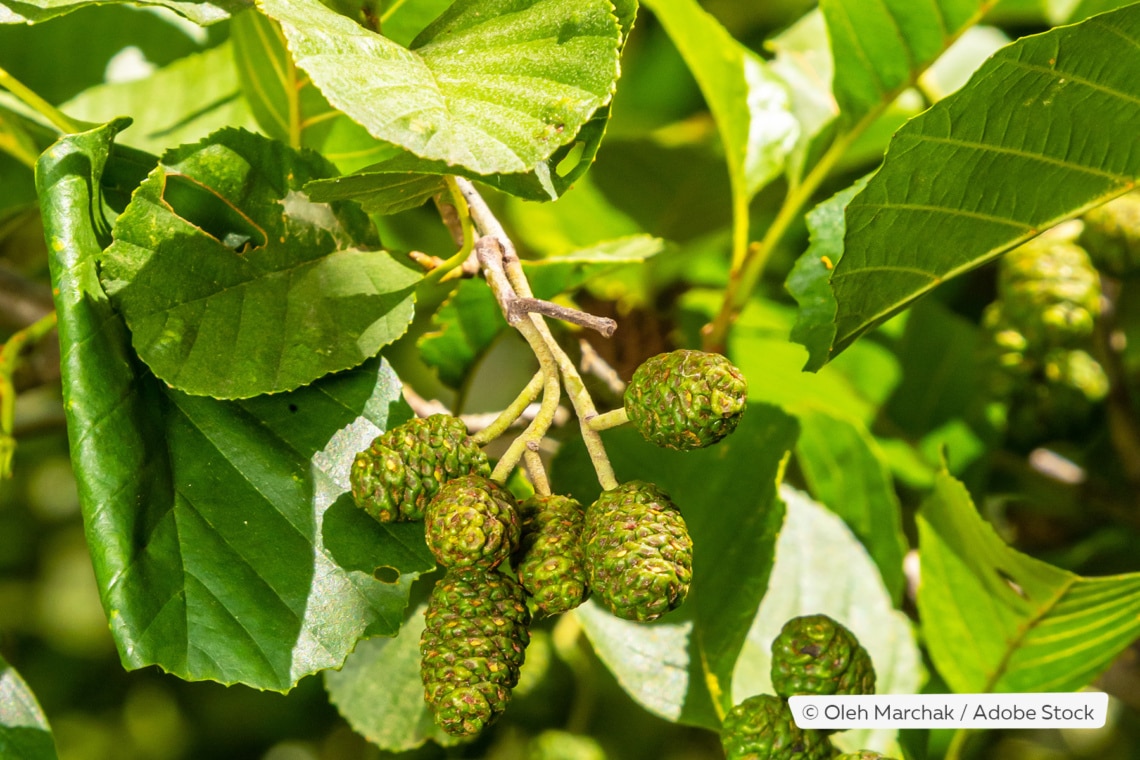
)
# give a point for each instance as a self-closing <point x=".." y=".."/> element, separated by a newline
<point x="507" y="560"/>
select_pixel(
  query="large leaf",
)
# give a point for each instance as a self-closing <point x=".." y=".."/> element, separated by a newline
<point x="727" y="494"/>
<point x="749" y="102"/>
<point x="470" y="320"/>
<point x="846" y="471"/>
<point x="209" y="521"/>
<point x="199" y="11"/>
<point x="821" y="568"/>
<point x="235" y="284"/>
<point x="180" y="103"/>
<point x="1027" y="625"/>
<point x="879" y="49"/>
<point x="1039" y="135"/>
<point x="492" y="85"/>
<point x="24" y="731"/>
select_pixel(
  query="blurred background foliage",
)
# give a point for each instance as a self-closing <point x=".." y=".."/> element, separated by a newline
<point x="660" y="171"/>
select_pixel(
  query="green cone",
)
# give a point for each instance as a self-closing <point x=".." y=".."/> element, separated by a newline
<point x="472" y="648"/>
<point x="396" y="477"/>
<point x="639" y="557"/>
<point x="1112" y="236"/>
<point x="816" y="655"/>
<point x="472" y="522"/>
<point x="1062" y="400"/>
<point x="686" y="399"/>
<point x="1050" y="291"/>
<point x="550" y="561"/>
<point x="762" y="728"/>
<point x="563" y="745"/>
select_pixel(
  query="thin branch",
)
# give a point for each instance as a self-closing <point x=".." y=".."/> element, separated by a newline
<point x="609" y="420"/>
<point x="10" y="354"/>
<point x="508" y="416"/>
<point x="523" y="306"/>
<point x="594" y="364"/>
<point x="536" y="470"/>
<point x="60" y="120"/>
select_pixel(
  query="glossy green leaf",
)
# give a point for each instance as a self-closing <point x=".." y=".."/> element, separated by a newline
<point x="1027" y="625"/>
<point x="180" y="103"/>
<point x="750" y="103"/>
<point x="24" y="731"/>
<point x="281" y="290"/>
<point x="380" y="693"/>
<point x="814" y="545"/>
<point x="493" y="86"/>
<point x="733" y="542"/>
<point x="402" y="20"/>
<point x="809" y="280"/>
<point x="469" y="321"/>
<point x="1032" y="140"/>
<point x="206" y="519"/>
<point x="846" y="471"/>
<point x="880" y="49"/>
<point x="199" y="11"/>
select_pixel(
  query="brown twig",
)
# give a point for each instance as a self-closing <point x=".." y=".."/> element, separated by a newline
<point x="593" y="363"/>
<point x="522" y="306"/>
<point x="1122" y="424"/>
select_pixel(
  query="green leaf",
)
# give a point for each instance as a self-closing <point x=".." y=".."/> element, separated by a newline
<point x="495" y="86"/>
<point x="282" y="290"/>
<point x="1027" y="625"/>
<point x="380" y="694"/>
<point x="748" y="101"/>
<point x="846" y="471"/>
<point x="24" y="731"/>
<point x="180" y="103"/>
<point x="822" y="568"/>
<point x="404" y="19"/>
<point x="810" y="279"/>
<point x="879" y="49"/>
<point x="923" y="219"/>
<point x="202" y="12"/>
<point x="734" y="534"/>
<point x="205" y="519"/>
<point x="469" y="321"/>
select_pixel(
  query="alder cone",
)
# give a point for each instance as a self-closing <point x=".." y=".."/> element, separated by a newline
<point x="472" y="648"/>
<point x="550" y="561"/>
<point x="686" y="399"/>
<point x="472" y="522"/>
<point x="396" y="477"/>
<point x="639" y="556"/>
<point x="816" y="655"/>
<point x="1112" y="236"/>
<point x="762" y="728"/>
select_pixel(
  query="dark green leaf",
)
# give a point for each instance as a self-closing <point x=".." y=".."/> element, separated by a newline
<point x="470" y="320"/>
<point x="727" y="494"/>
<point x="1027" y="626"/>
<point x="980" y="173"/>
<point x="809" y="281"/>
<point x="235" y="284"/>
<point x="24" y="731"/>
<point x="380" y="694"/>
<point x="880" y="49"/>
<point x="493" y="86"/>
<point x="180" y="103"/>
<point x="205" y="518"/>
<point x="822" y="568"/>
<point x="846" y="472"/>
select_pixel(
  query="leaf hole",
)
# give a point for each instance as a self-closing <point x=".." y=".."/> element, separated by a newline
<point x="1009" y="581"/>
<point x="386" y="574"/>
<point x="570" y="162"/>
<point x="202" y="207"/>
<point x="292" y="407"/>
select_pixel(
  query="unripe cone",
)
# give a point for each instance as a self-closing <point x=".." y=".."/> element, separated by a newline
<point x="1051" y="292"/>
<point x="563" y="745"/>
<point x="816" y="655"/>
<point x="472" y="522"/>
<point x="639" y="557"/>
<point x="762" y="728"/>
<point x="1112" y="235"/>
<point x="396" y="477"/>
<point x="550" y="561"/>
<point x="472" y="647"/>
<point x="686" y="399"/>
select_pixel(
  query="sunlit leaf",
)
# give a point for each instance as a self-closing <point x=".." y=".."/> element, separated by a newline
<point x="24" y="731"/>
